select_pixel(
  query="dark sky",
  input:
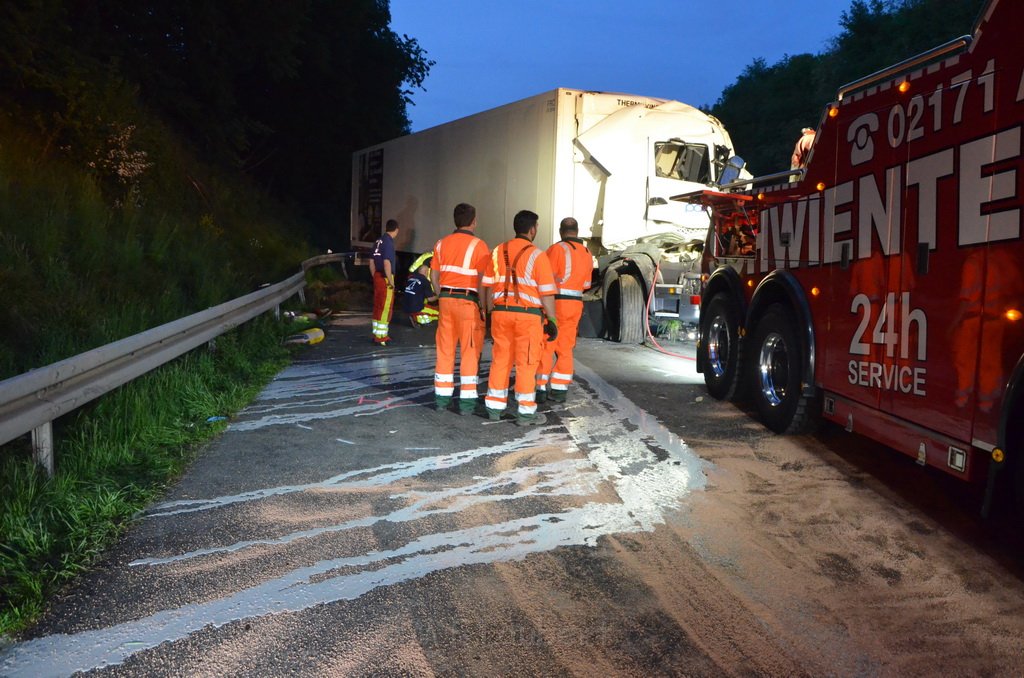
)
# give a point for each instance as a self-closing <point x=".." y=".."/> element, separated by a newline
<point x="492" y="52"/>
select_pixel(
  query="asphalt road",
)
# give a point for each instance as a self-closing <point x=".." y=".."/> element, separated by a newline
<point x="341" y="526"/>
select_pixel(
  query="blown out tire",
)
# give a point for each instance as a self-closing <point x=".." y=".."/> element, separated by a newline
<point x="776" y="363"/>
<point x="631" y="311"/>
<point x="720" y="348"/>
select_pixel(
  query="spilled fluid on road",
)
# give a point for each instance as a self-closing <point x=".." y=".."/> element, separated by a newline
<point x="607" y="441"/>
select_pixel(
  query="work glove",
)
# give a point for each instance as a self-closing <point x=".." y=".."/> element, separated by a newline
<point x="551" y="329"/>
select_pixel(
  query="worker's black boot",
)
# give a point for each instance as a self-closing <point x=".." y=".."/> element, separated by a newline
<point x="531" y="419"/>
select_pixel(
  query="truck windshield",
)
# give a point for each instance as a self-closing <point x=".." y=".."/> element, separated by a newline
<point x="686" y="162"/>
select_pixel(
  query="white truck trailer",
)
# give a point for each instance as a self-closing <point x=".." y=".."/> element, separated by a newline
<point x="612" y="161"/>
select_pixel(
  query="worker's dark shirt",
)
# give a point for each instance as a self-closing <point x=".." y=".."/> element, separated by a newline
<point x="417" y="289"/>
<point x="384" y="249"/>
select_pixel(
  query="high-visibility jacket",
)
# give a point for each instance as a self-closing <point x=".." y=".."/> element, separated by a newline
<point x="460" y="258"/>
<point x="572" y="266"/>
<point x="802" y="149"/>
<point x="420" y="261"/>
<point x="519" y="275"/>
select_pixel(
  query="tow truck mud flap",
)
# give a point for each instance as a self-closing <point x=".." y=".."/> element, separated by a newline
<point x="592" y="320"/>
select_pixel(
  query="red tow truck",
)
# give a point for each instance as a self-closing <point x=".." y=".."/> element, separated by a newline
<point x="882" y="286"/>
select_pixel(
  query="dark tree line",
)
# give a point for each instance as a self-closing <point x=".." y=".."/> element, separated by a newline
<point x="767" y="106"/>
<point x="283" y="91"/>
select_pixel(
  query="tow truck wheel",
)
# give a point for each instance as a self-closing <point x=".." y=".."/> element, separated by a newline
<point x="631" y="311"/>
<point x="775" y="372"/>
<point x="720" y="348"/>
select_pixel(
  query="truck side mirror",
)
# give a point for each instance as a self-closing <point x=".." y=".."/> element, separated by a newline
<point x="731" y="171"/>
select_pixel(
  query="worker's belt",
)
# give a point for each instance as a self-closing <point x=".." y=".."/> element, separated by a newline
<point x="519" y="309"/>
<point x="459" y="293"/>
<point x="573" y="297"/>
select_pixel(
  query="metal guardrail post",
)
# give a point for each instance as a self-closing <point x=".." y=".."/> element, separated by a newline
<point x="42" y="446"/>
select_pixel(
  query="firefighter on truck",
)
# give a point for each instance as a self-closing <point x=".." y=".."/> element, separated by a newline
<point x="884" y="289"/>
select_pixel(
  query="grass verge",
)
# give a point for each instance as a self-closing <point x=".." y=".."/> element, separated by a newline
<point x="114" y="458"/>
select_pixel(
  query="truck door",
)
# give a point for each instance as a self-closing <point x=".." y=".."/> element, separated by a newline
<point x="860" y="247"/>
<point x="924" y="304"/>
<point x="955" y="284"/>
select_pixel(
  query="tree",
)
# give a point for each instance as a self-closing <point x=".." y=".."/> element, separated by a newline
<point x="767" y="105"/>
<point x="283" y="91"/>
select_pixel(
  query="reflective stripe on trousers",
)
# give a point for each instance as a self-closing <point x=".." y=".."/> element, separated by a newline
<point x="383" y="305"/>
<point x="518" y="341"/>
<point x="458" y="327"/>
<point x="557" y="363"/>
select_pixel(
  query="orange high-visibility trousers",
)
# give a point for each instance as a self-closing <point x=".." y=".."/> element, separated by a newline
<point x="556" y="366"/>
<point x="383" y="306"/>
<point x="518" y="341"/>
<point x="458" y="326"/>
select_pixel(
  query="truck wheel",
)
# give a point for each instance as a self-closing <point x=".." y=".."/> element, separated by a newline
<point x="631" y="311"/>
<point x="775" y="368"/>
<point x="720" y="348"/>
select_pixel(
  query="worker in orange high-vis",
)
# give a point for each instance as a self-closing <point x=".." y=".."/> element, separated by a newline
<point x="572" y="267"/>
<point x="520" y="294"/>
<point x="382" y="271"/>
<point x="801" y="151"/>
<point x="456" y="269"/>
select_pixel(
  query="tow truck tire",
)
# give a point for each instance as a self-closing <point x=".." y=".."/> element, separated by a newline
<point x="721" y="352"/>
<point x="631" y="311"/>
<point x="776" y="363"/>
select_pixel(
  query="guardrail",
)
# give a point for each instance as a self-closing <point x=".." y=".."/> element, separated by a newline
<point x="30" y="402"/>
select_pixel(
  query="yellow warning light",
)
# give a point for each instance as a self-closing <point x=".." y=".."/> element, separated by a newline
<point x="1013" y="315"/>
<point x="833" y="112"/>
<point x="750" y="283"/>
<point x="997" y="455"/>
<point x="704" y="277"/>
<point x="760" y="196"/>
<point x="904" y="87"/>
<point x="820" y="186"/>
<point x="815" y="291"/>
